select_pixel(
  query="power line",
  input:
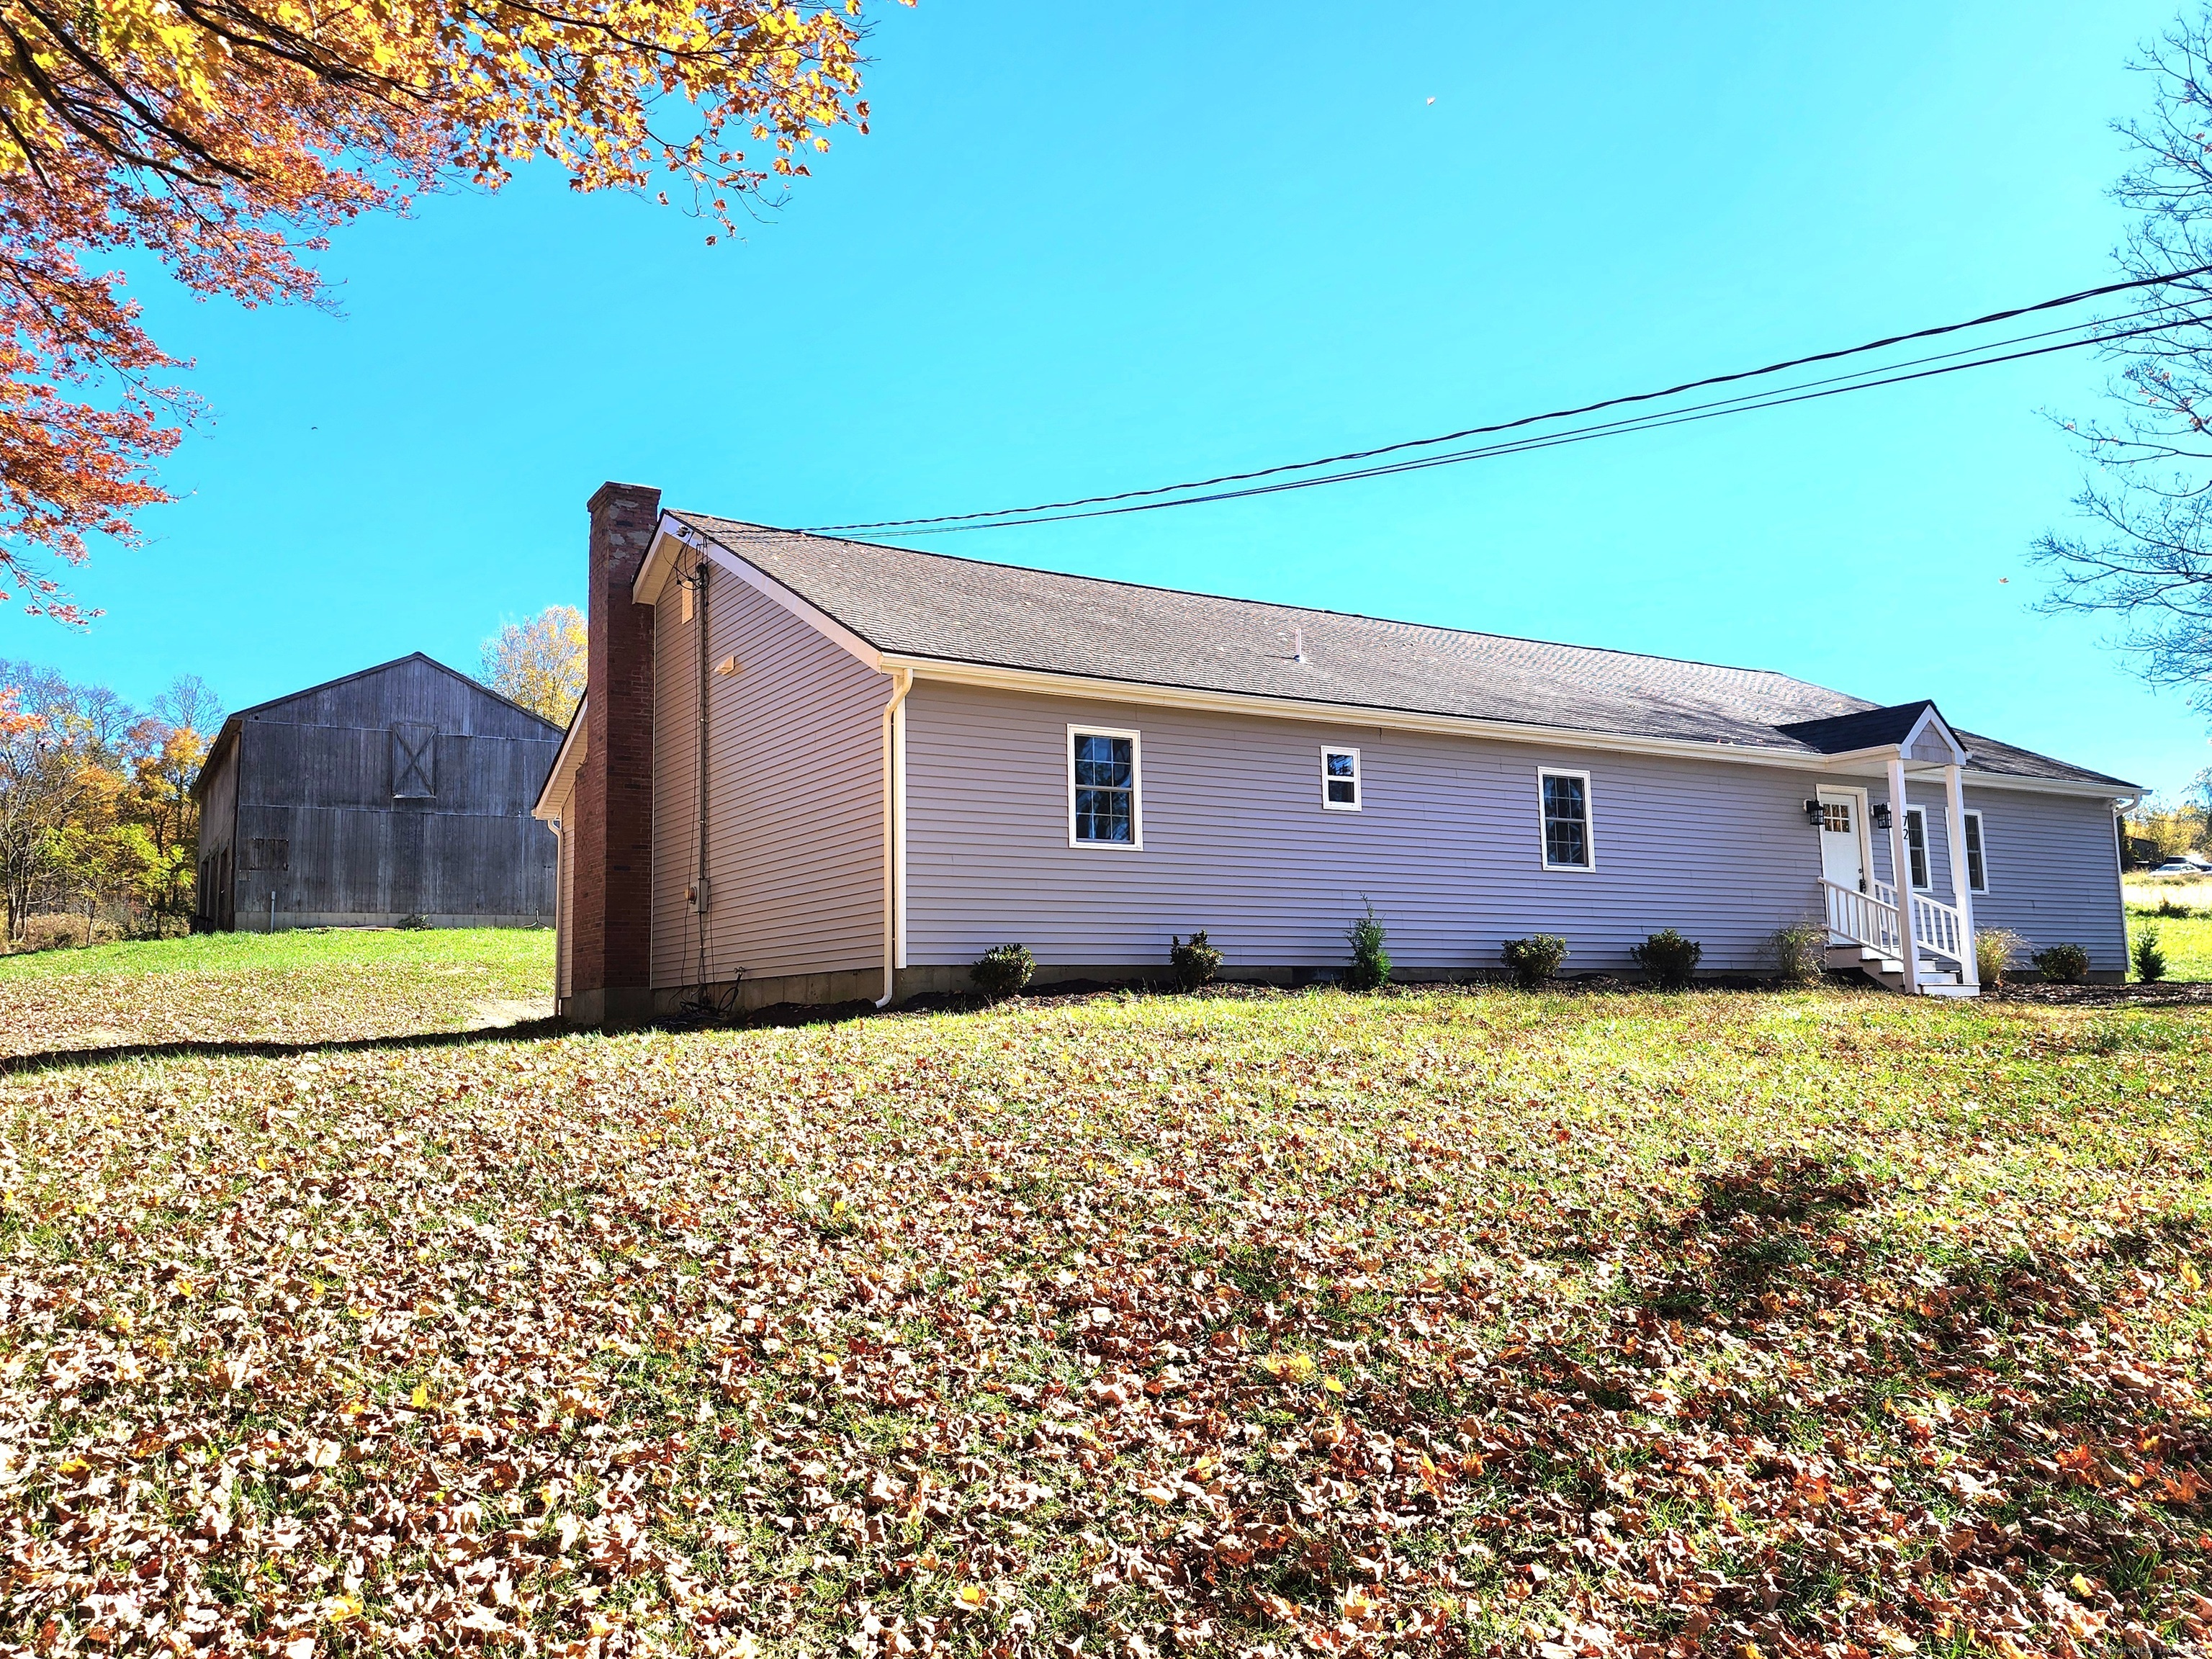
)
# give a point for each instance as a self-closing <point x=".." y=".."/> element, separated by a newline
<point x="1010" y="516"/>
<point x="1776" y="398"/>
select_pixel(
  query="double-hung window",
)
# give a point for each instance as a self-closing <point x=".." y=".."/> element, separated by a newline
<point x="1339" y="780"/>
<point x="1916" y="844"/>
<point x="1566" y="819"/>
<point x="1978" y="858"/>
<point x="1104" y="800"/>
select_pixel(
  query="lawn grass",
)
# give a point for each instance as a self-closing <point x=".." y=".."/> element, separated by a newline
<point x="2186" y="941"/>
<point x="1433" y="1321"/>
<point x="316" y="983"/>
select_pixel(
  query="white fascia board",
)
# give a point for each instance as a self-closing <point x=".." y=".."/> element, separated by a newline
<point x="568" y="760"/>
<point x="1335" y="714"/>
<point x="2111" y="791"/>
<point x="674" y="533"/>
<point x="805" y="610"/>
<point x="670" y="534"/>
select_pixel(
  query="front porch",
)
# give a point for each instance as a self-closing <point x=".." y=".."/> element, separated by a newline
<point x="1899" y="932"/>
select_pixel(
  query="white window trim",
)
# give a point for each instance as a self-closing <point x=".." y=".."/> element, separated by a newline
<point x="1981" y="835"/>
<point x="1358" y="782"/>
<point x="1136" y="841"/>
<point x="1589" y="820"/>
<point x="1927" y="848"/>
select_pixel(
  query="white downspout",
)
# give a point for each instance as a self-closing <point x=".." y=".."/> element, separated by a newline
<point x="894" y="827"/>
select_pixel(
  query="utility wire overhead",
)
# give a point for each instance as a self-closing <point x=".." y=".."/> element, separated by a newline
<point x="2094" y="332"/>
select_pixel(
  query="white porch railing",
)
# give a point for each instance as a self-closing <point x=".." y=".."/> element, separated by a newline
<point x="1871" y="918"/>
<point x="1938" y="929"/>
<point x="1862" y="918"/>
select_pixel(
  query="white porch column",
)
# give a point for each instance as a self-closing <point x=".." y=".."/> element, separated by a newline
<point x="1962" y="894"/>
<point x="1900" y="870"/>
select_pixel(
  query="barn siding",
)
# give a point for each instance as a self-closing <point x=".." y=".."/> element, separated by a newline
<point x="319" y="839"/>
<point x="795" y="818"/>
<point x="1447" y="848"/>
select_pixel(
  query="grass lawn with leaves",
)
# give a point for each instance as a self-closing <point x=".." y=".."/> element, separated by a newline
<point x="2186" y="941"/>
<point x="1245" y="1323"/>
<point x="319" y="984"/>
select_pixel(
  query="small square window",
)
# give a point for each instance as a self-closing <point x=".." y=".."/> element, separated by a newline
<point x="1836" y="817"/>
<point x="1566" y="819"/>
<point x="1339" y="780"/>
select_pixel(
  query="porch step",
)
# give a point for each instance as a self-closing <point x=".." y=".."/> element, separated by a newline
<point x="1936" y="980"/>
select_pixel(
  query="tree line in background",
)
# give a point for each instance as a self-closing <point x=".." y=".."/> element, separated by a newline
<point x="97" y="819"/>
<point x="2159" y="829"/>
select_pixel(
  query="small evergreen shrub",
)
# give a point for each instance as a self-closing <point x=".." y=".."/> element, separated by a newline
<point x="1533" y="959"/>
<point x="1370" y="962"/>
<point x="2150" y="960"/>
<point x="1667" y="959"/>
<point x="1994" y="949"/>
<point x="1194" y="964"/>
<point x="414" y="923"/>
<point x="1001" y="971"/>
<point x="2062" y="965"/>
<point x="1800" y="951"/>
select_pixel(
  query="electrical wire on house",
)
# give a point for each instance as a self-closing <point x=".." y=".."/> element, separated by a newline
<point x="2161" y="315"/>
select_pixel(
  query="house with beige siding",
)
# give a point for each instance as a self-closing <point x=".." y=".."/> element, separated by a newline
<point x="816" y="770"/>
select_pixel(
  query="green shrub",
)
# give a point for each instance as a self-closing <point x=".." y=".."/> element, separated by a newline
<point x="1194" y="964"/>
<point x="1001" y="971"/>
<point x="2168" y="909"/>
<point x="414" y="923"/>
<point x="2150" y="960"/>
<point x="1371" y="963"/>
<point x="2062" y="965"/>
<point x="1800" y="951"/>
<point x="1533" y="959"/>
<point x="1994" y="950"/>
<point x="1667" y="959"/>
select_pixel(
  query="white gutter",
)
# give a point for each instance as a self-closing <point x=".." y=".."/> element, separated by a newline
<point x="894" y="828"/>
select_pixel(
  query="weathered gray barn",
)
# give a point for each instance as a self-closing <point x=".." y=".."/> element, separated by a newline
<point x="403" y="790"/>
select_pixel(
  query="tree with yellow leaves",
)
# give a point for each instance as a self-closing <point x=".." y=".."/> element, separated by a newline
<point x="540" y="663"/>
<point x="228" y="138"/>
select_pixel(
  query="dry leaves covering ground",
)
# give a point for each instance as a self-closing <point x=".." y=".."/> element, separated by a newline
<point x="310" y="986"/>
<point x="1261" y="1324"/>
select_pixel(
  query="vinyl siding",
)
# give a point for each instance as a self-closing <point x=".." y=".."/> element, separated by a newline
<point x="2054" y="872"/>
<point x="1447" y="845"/>
<point x="795" y="812"/>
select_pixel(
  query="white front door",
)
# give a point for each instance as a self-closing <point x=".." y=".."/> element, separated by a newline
<point x="1843" y="841"/>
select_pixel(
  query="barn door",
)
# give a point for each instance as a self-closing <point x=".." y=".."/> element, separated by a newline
<point x="414" y="761"/>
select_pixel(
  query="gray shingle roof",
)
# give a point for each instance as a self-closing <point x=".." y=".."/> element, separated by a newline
<point x="911" y="603"/>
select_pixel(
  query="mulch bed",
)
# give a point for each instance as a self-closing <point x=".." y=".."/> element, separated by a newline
<point x="2155" y="996"/>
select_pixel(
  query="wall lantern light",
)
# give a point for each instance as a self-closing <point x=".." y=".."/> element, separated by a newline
<point x="1815" y="814"/>
<point x="1881" y="815"/>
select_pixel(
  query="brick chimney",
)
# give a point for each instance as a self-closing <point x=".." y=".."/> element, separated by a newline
<point x="612" y="908"/>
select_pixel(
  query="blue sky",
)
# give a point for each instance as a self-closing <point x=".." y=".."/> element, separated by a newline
<point x="1092" y="248"/>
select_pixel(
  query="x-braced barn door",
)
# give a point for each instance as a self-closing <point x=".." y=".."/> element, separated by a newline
<point x="414" y="761"/>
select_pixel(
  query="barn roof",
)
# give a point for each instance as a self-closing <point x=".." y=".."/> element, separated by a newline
<point x="226" y="738"/>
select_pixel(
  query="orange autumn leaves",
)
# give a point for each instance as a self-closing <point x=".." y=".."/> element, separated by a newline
<point x="228" y="138"/>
